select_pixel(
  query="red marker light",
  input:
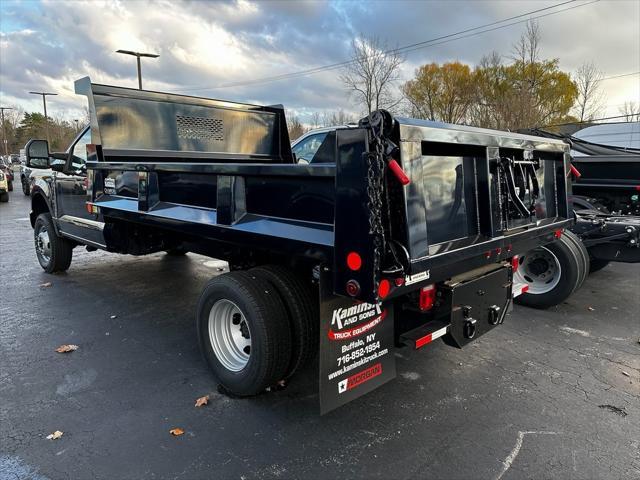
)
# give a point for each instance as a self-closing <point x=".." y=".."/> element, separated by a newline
<point x="399" y="281"/>
<point x="515" y="263"/>
<point x="427" y="298"/>
<point x="557" y="233"/>
<point x="498" y="251"/>
<point x="354" y="261"/>
<point x="384" y="288"/>
<point x="488" y="254"/>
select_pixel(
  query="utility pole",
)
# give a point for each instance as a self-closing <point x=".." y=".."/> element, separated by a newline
<point x="77" y="129"/>
<point x="4" y="135"/>
<point x="138" y="55"/>
<point x="44" y="103"/>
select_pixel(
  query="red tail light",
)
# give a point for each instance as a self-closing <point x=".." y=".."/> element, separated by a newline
<point x="354" y="261"/>
<point x="515" y="263"/>
<point x="384" y="288"/>
<point x="427" y="298"/>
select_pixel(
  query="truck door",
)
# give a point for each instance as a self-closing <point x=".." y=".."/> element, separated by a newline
<point x="71" y="196"/>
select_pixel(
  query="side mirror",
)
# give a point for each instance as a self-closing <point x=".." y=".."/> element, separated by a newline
<point x="59" y="162"/>
<point x="37" y="154"/>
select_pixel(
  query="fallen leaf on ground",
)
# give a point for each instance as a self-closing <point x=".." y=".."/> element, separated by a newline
<point x="591" y="309"/>
<point x="176" y="432"/>
<point x="55" y="435"/>
<point x="46" y="285"/>
<point x="202" y="401"/>
<point x="66" y="348"/>
<point x="626" y="374"/>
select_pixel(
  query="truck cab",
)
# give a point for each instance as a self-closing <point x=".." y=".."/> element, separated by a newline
<point x="64" y="192"/>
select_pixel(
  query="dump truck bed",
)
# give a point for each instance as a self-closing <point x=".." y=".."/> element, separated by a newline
<point x="222" y="175"/>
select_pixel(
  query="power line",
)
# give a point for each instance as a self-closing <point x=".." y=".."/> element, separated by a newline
<point x="619" y="76"/>
<point x="408" y="48"/>
<point x="593" y="120"/>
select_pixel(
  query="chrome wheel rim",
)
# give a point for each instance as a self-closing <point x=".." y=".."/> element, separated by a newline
<point x="43" y="244"/>
<point x="540" y="269"/>
<point x="229" y="335"/>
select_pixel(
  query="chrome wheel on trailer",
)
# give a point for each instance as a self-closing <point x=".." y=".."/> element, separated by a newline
<point x="43" y="244"/>
<point x="540" y="269"/>
<point x="229" y="335"/>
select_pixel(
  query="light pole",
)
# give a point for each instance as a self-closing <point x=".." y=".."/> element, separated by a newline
<point x="4" y="135"/>
<point x="44" y="103"/>
<point x="138" y="55"/>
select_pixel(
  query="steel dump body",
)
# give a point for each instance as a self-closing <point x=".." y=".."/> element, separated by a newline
<point x="221" y="175"/>
<point x="398" y="231"/>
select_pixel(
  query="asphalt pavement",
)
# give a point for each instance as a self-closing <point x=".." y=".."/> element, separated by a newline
<point x="550" y="394"/>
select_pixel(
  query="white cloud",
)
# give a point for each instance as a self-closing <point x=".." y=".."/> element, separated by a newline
<point x="208" y="44"/>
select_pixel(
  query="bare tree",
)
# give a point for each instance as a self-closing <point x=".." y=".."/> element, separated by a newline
<point x="631" y="111"/>
<point x="294" y="126"/>
<point x="372" y="73"/>
<point x="590" y="97"/>
<point x="335" y="118"/>
<point x="527" y="49"/>
<point x="315" y="119"/>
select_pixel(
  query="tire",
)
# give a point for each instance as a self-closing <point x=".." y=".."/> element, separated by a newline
<point x="255" y="305"/>
<point x="582" y="253"/>
<point x="25" y="187"/>
<point x="597" y="264"/>
<point x="54" y="253"/>
<point x="552" y="273"/>
<point x="301" y="309"/>
<point x="4" y="197"/>
<point x="10" y="185"/>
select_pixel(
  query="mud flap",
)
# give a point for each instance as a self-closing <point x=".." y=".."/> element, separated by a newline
<point x="356" y="347"/>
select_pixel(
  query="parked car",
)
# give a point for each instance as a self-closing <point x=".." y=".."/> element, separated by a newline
<point x="5" y="167"/>
<point x="4" y="187"/>
<point x="29" y="176"/>
<point x="306" y="146"/>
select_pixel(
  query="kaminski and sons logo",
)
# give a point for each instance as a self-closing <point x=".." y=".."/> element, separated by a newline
<point x="344" y="320"/>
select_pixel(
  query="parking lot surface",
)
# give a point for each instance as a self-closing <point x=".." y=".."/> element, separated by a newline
<point x="550" y="394"/>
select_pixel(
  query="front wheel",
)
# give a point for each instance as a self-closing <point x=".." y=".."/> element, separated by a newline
<point x="244" y="332"/>
<point x="25" y="187"/>
<point x="4" y="197"/>
<point x="54" y="253"/>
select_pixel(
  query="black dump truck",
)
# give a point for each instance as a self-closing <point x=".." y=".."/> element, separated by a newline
<point x="606" y="207"/>
<point x="405" y="232"/>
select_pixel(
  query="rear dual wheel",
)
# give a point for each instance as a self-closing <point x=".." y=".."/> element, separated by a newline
<point x="243" y="332"/>
<point x="255" y="328"/>
<point x="552" y="272"/>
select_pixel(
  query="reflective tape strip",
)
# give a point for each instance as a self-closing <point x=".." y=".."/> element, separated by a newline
<point x="421" y="342"/>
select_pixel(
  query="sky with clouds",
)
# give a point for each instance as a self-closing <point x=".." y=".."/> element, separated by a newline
<point x="207" y="47"/>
